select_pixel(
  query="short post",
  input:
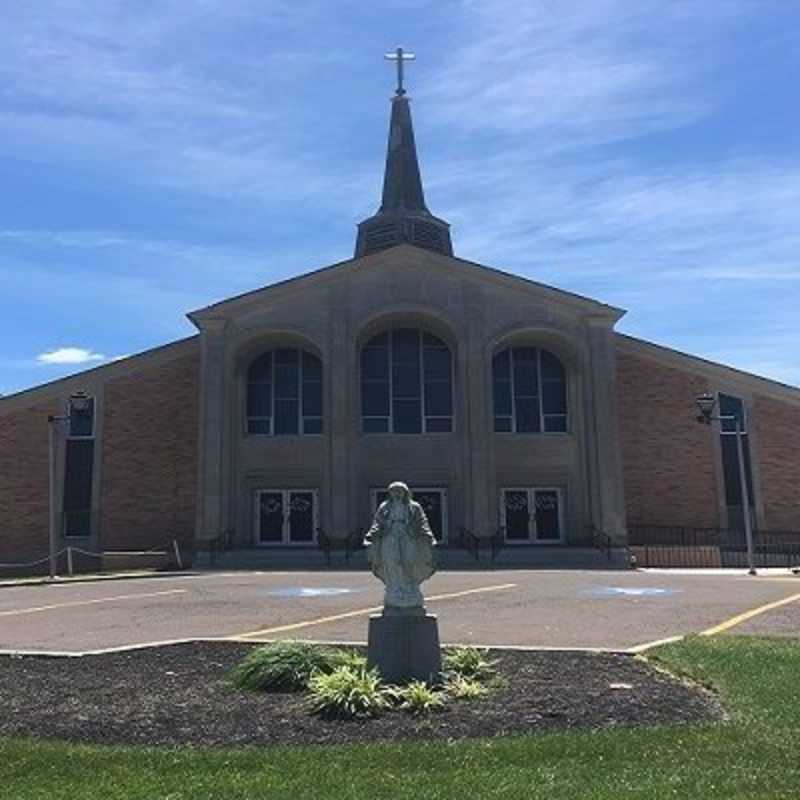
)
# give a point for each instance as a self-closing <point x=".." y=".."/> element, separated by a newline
<point x="177" y="550"/>
<point x="69" y="562"/>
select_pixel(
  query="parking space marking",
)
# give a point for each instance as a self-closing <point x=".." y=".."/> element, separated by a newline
<point x="360" y="612"/>
<point x="754" y="612"/>
<point x="37" y="609"/>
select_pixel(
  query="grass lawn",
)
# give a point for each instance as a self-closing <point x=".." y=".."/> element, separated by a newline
<point x="755" y="755"/>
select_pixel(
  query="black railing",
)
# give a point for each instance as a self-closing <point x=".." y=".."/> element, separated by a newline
<point x="683" y="546"/>
<point x="348" y="544"/>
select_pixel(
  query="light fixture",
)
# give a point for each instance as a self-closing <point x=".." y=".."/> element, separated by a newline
<point x="705" y="403"/>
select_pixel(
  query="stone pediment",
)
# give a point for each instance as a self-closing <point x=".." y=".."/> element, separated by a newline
<point x="394" y="266"/>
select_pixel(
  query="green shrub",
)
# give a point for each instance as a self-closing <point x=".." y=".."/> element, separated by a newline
<point x="348" y="658"/>
<point x="460" y="688"/>
<point x="282" y="666"/>
<point x="418" y="698"/>
<point x="348" y="692"/>
<point x="468" y="662"/>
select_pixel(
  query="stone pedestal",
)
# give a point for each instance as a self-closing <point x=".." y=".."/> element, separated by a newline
<point x="405" y="647"/>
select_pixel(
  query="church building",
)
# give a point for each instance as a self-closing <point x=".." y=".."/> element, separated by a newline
<point x="514" y="410"/>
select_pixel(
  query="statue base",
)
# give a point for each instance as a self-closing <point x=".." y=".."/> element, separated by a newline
<point x="405" y="646"/>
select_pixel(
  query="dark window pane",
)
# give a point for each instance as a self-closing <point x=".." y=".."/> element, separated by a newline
<point x="312" y="398"/>
<point x="526" y="381"/>
<point x="407" y="416"/>
<point x="517" y="519"/>
<point x="78" y="475"/>
<point x="259" y="400"/>
<point x="526" y="354"/>
<point x="287" y="380"/>
<point x="502" y="424"/>
<point x="376" y="425"/>
<point x="730" y="468"/>
<point x="258" y="426"/>
<point x="547" y="524"/>
<point x="312" y="425"/>
<point x="431" y="503"/>
<point x="439" y="425"/>
<point x="438" y="399"/>
<point x="551" y="367"/>
<point x="81" y="421"/>
<point x="375" y="363"/>
<point x="286" y="416"/>
<point x="287" y="357"/>
<point x="301" y="516"/>
<point x="270" y="517"/>
<point x="502" y="398"/>
<point x="731" y="407"/>
<point x="405" y="344"/>
<point x="374" y="399"/>
<point x="381" y="340"/>
<point x="528" y="416"/>
<point x="554" y="397"/>
<point x="312" y="367"/>
<point x="430" y="340"/>
<point x="437" y="364"/>
<point x="261" y="369"/>
<point x="501" y="365"/>
<point x="405" y="381"/>
<point x="555" y="423"/>
<point x="78" y="523"/>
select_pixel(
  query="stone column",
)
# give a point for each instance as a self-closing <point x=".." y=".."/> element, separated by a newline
<point x="477" y="472"/>
<point x="342" y="419"/>
<point x="608" y="500"/>
<point x="213" y="421"/>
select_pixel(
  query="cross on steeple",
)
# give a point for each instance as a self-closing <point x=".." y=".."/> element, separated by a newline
<point x="399" y="56"/>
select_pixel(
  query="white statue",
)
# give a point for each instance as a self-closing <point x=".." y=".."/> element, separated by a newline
<point x="400" y="549"/>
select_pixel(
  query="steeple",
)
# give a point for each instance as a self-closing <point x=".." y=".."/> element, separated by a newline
<point x="403" y="215"/>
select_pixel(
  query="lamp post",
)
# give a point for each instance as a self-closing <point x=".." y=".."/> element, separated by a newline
<point x="706" y="403"/>
<point x="79" y="401"/>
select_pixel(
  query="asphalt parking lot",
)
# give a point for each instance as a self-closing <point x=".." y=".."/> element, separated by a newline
<point x="558" y="609"/>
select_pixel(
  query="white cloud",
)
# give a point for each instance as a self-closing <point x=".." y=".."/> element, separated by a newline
<point x="69" y="355"/>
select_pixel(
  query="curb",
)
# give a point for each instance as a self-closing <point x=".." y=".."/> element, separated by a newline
<point x="92" y="578"/>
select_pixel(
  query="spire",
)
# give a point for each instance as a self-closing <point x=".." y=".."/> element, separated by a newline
<point x="403" y="215"/>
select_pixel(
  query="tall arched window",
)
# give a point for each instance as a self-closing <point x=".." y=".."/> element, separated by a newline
<point x="406" y="383"/>
<point x="284" y="393"/>
<point x="530" y="391"/>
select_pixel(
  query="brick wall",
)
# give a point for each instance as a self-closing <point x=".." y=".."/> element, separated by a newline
<point x="24" y="479"/>
<point x="668" y="458"/>
<point x="777" y="426"/>
<point x="149" y="451"/>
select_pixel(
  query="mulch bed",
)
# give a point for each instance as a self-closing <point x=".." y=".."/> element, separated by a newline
<point x="177" y="695"/>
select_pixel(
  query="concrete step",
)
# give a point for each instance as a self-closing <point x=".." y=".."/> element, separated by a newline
<point x="542" y="557"/>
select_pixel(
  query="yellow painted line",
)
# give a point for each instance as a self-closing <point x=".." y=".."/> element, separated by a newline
<point x="739" y="618"/>
<point x="361" y="612"/>
<point x="75" y="603"/>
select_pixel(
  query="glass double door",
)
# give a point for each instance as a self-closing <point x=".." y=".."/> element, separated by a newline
<point x="286" y="516"/>
<point x="433" y="502"/>
<point x="531" y="515"/>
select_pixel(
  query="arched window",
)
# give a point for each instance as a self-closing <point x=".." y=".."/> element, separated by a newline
<point x="284" y="393"/>
<point x="530" y="391"/>
<point x="406" y="383"/>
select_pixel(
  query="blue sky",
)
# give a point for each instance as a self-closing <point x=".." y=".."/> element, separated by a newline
<point x="161" y="155"/>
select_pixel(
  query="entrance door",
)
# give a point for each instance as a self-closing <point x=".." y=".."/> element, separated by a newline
<point x="531" y="515"/>
<point x="433" y="502"/>
<point x="286" y="516"/>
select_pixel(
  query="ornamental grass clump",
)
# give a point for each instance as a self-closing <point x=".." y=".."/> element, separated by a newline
<point x="348" y="692"/>
<point x="468" y="662"/>
<point x="460" y="688"/>
<point x="417" y="697"/>
<point x="282" y="666"/>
